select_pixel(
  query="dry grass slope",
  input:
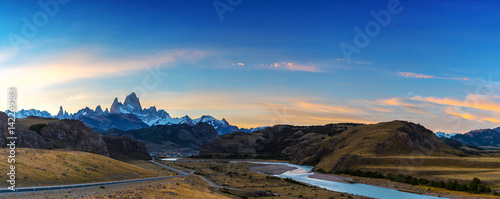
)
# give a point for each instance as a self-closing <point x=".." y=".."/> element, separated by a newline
<point x="25" y="123"/>
<point x="38" y="167"/>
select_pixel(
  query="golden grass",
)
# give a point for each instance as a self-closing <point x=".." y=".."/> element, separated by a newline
<point x="38" y="167"/>
<point x="182" y="187"/>
<point x="463" y="169"/>
<point x="25" y="123"/>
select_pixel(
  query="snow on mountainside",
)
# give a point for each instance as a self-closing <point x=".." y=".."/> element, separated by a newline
<point x="442" y="134"/>
<point x="151" y="116"/>
<point x="32" y="112"/>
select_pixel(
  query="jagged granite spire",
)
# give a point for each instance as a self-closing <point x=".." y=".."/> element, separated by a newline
<point x="132" y="103"/>
<point x="60" y="115"/>
<point x="115" y="106"/>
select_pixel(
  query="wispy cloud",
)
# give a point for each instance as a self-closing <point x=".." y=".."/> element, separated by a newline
<point x="326" y="108"/>
<point x="480" y="102"/>
<point x="355" y="62"/>
<point x="75" y="65"/>
<point x="296" y="67"/>
<point x="425" y="76"/>
<point x="6" y="54"/>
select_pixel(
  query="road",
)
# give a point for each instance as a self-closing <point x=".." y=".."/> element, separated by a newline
<point x="97" y="184"/>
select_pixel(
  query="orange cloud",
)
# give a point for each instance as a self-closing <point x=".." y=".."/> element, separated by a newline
<point x="326" y="108"/>
<point x="462" y="115"/>
<point x="473" y="101"/>
<point x="395" y="102"/>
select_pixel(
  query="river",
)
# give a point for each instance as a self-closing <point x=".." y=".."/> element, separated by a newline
<point x="302" y="172"/>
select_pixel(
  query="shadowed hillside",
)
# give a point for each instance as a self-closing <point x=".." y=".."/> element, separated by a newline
<point x="175" y="137"/>
<point x="331" y="147"/>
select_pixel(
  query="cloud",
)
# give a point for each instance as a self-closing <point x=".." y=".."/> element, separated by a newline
<point x="65" y="67"/>
<point x="462" y="115"/>
<point x="355" y="62"/>
<point x="6" y="54"/>
<point x="424" y="76"/>
<point x="414" y="75"/>
<point x="326" y="108"/>
<point x="481" y="102"/>
<point x="296" y="67"/>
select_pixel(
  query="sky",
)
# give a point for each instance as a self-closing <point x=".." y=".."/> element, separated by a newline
<point x="259" y="62"/>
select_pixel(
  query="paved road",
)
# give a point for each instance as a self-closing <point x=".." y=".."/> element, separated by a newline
<point x="97" y="184"/>
<point x="191" y="172"/>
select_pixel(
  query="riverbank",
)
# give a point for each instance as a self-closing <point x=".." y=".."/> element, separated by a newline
<point x="271" y="169"/>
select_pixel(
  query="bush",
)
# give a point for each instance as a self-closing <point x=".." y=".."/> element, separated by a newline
<point x="475" y="186"/>
<point x="37" y="128"/>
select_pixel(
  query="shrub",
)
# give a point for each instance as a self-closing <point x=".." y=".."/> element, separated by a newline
<point x="37" y="128"/>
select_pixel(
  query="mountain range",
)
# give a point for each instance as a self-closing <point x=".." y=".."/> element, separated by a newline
<point x="481" y="137"/>
<point x="170" y="138"/>
<point x="446" y="135"/>
<point x="130" y="115"/>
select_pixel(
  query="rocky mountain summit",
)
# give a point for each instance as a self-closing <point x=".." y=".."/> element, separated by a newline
<point x="120" y="113"/>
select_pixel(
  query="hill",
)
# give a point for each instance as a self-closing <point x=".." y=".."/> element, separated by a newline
<point x="331" y="147"/>
<point x="54" y="167"/>
<point x="169" y="138"/>
<point x="72" y="135"/>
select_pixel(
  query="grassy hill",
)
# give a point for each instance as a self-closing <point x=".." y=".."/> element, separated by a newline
<point x="396" y="138"/>
<point x="38" y="167"/>
<point x="25" y="123"/>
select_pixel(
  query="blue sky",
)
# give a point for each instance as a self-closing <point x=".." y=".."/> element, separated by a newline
<point x="266" y="62"/>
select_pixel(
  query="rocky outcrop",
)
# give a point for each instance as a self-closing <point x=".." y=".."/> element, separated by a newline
<point x="125" y="148"/>
<point x="25" y="138"/>
<point x="31" y="139"/>
<point x="73" y="134"/>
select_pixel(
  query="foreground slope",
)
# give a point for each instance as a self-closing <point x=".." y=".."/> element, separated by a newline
<point x="70" y="134"/>
<point x="38" y="167"/>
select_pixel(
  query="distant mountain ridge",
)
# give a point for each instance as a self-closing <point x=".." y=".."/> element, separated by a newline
<point x="100" y="120"/>
<point x="481" y="137"/>
<point x="446" y="135"/>
<point x="170" y="138"/>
